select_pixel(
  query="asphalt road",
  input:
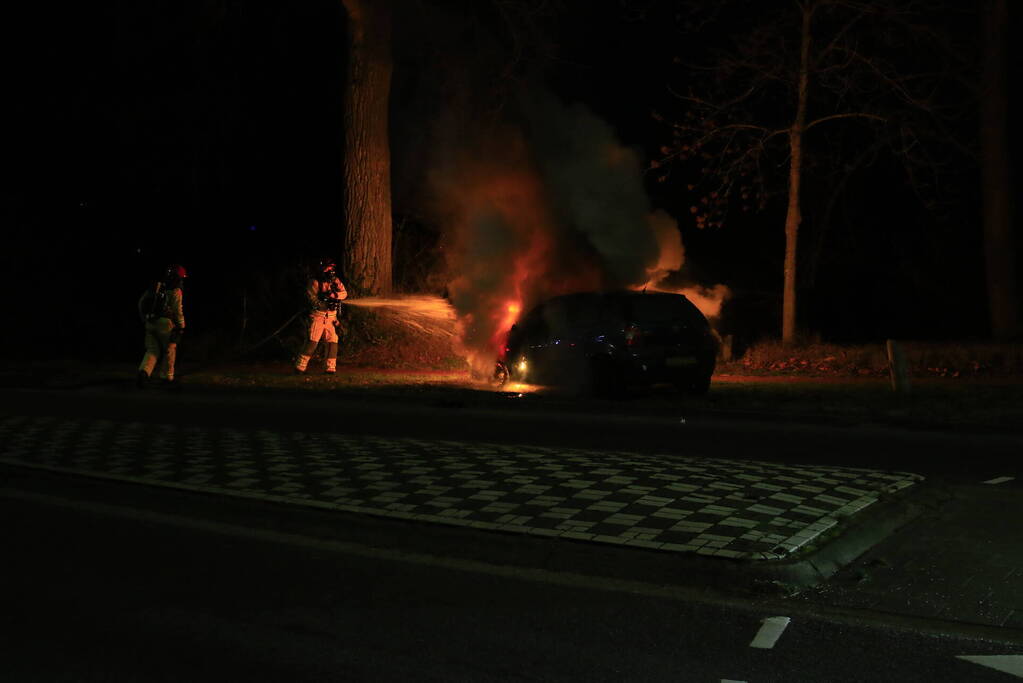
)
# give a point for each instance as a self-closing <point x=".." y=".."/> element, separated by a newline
<point x="117" y="582"/>
<point x="106" y="582"/>
<point x="642" y="427"/>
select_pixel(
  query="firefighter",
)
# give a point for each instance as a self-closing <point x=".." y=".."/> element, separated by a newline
<point x="162" y="314"/>
<point x="325" y="293"/>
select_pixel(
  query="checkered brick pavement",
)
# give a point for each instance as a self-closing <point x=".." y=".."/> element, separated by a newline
<point x="726" y="508"/>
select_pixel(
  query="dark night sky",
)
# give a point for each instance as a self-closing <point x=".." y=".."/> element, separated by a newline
<point x="175" y="128"/>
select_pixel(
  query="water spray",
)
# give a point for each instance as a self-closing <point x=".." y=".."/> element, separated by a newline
<point x="431" y="315"/>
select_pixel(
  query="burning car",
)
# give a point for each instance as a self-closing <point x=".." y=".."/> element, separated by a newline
<point x="605" y="342"/>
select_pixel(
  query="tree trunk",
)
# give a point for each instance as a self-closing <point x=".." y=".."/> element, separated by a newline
<point x="367" y="254"/>
<point x="999" y="243"/>
<point x="793" y="216"/>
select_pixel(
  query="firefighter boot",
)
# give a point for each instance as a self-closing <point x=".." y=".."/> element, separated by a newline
<point x="303" y="358"/>
<point x="141" y="379"/>
<point x="331" y="358"/>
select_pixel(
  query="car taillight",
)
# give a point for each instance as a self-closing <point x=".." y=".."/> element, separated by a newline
<point x="633" y="335"/>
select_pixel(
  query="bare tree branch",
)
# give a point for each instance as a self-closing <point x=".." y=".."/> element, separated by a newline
<point x="847" y="115"/>
<point x="744" y="114"/>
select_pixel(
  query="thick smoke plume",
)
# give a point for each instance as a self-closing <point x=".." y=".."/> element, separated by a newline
<point x="552" y="205"/>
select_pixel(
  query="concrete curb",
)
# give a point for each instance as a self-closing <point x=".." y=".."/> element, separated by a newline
<point x="721" y="576"/>
<point x="815" y="565"/>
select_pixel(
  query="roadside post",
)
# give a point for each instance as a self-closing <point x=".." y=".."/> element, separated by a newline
<point x="897" y="367"/>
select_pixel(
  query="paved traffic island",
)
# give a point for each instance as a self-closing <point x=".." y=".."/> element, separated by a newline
<point x="739" y="509"/>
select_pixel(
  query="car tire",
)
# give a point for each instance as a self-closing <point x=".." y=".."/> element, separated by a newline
<point x="500" y="376"/>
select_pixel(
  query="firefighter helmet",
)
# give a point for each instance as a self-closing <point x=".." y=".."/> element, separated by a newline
<point x="327" y="265"/>
<point x="175" y="270"/>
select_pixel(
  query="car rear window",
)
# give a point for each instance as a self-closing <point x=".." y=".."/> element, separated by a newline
<point x="570" y="314"/>
<point x="583" y="310"/>
<point x="663" y="308"/>
<point x="565" y="316"/>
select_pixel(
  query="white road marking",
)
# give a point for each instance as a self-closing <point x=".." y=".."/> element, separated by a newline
<point x="770" y="632"/>
<point x="999" y="480"/>
<point x="1010" y="664"/>
<point x="681" y="593"/>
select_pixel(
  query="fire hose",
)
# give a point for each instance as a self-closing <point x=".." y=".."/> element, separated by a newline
<point x="280" y="329"/>
<point x="275" y="333"/>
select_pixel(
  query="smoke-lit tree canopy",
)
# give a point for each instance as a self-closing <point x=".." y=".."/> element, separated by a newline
<point x="213" y="133"/>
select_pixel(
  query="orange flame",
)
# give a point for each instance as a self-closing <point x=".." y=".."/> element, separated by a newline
<point x="500" y="251"/>
<point x="509" y="246"/>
